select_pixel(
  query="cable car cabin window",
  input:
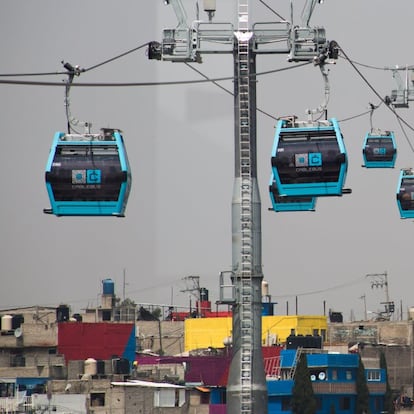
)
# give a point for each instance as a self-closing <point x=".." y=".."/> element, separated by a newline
<point x="86" y="173"/>
<point x="304" y="157"/>
<point x="406" y="194"/>
<point x="379" y="149"/>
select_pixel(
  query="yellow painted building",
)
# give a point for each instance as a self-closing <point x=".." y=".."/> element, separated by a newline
<point x="213" y="332"/>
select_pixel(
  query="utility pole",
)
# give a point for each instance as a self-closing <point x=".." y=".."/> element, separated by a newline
<point x="364" y="298"/>
<point x="246" y="388"/>
<point x="380" y="280"/>
<point x="196" y="288"/>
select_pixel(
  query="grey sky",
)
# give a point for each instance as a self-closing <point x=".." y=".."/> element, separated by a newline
<point x="180" y="145"/>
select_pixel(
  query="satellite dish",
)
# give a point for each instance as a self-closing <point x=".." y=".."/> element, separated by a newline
<point x="313" y="377"/>
<point x="322" y="376"/>
<point x="18" y="332"/>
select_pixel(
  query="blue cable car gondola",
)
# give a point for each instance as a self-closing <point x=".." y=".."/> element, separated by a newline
<point x="379" y="150"/>
<point x="88" y="175"/>
<point x="309" y="159"/>
<point x="405" y="193"/>
<point x="280" y="203"/>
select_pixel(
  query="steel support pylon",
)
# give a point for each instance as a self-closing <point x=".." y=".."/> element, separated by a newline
<point x="246" y="388"/>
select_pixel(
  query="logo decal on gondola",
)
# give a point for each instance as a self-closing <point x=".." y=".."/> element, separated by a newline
<point x="78" y="176"/>
<point x="315" y="159"/>
<point x="380" y="151"/>
<point x="93" y="176"/>
<point x="311" y="159"/>
<point x="86" y="176"/>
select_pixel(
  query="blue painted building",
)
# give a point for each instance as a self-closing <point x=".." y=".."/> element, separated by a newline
<point x="334" y="383"/>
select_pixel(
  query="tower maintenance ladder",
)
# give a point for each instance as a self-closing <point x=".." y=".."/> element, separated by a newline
<point x="246" y="208"/>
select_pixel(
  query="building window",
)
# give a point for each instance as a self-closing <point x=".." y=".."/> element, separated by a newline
<point x="169" y="397"/>
<point x="106" y="315"/>
<point x="348" y="375"/>
<point x="98" y="399"/>
<point x="373" y="375"/>
<point x="334" y="375"/>
<point x="344" y="403"/>
<point x="7" y="389"/>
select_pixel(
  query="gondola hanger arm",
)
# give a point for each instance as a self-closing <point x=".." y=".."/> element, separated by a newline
<point x="73" y="71"/>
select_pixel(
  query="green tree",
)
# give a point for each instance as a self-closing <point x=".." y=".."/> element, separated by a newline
<point x="388" y="403"/>
<point x="303" y="399"/>
<point x="157" y="313"/>
<point x="362" y="400"/>
<point x="127" y="302"/>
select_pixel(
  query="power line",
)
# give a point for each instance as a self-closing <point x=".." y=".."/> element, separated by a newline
<point x="314" y="292"/>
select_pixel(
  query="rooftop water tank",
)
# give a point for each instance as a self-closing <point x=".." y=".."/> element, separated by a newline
<point x="6" y="322"/>
<point x="17" y="321"/>
<point x="108" y="287"/>
<point x="120" y="366"/>
<point x="268" y="308"/>
<point x="265" y="288"/>
<point x="203" y="294"/>
<point x="62" y="313"/>
<point x="90" y="367"/>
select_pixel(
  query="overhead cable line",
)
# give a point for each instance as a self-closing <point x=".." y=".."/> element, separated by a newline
<point x="364" y="64"/>
<point x="383" y="100"/>
<point x="17" y="75"/>
<point x="354" y="116"/>
<point x="81" y="70"/>
<point x="130" y="84"/>
<point x="227" y="90"/>
<point x="115" y="57"/>
<point x="314" y="292"/>
<point x="273" y="11"/>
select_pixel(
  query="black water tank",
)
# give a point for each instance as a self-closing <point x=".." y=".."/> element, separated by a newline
<point x="77" y="317"/>
<point x="295" y="342"/>
<point x="336" y="317"/>
<point x="17" y="320"/>
<point x="313" y="341"/>
<point x="62" y="313"/>
<point x="120" y="366"/>
<point x="100" y="367"/>
<point x="203" y="294"/>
